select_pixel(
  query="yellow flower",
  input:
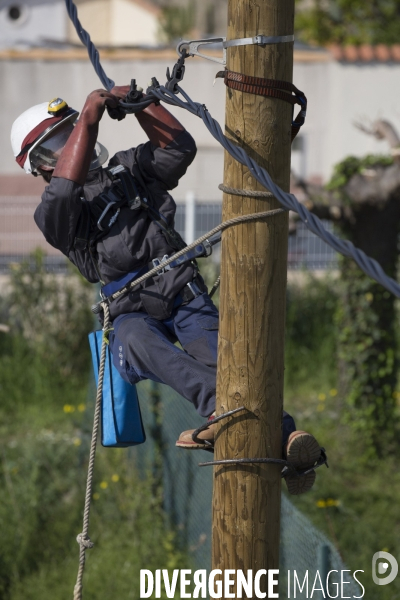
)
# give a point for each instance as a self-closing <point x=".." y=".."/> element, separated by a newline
<point x="115" y="478"/>
<point x="321" y="504"/>
<point x="333" y="392"/>
<point x="332" y="502"/>
<point x="77" y="441"/>
<point x="320" y="407"/>
<point x="369" y="297"/>
<point x="81" y="407"/>
<point x="322" y="397"/>
<point x="67" y="408"/>
<point x="104" y="485"/>
<point x="96" y="496"/>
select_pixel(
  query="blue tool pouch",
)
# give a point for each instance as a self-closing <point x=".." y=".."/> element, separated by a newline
<point x="121" y="420"/>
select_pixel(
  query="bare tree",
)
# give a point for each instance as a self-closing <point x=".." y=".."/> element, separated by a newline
<point x="363" y="201"/>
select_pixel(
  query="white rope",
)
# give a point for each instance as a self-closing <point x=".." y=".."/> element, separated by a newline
<point x="83" y="538"/>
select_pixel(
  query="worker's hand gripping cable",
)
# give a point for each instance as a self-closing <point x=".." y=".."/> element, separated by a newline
<point x="370" y="266"/>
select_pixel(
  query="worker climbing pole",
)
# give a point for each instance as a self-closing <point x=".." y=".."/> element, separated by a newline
<point x="259" y="130"/>
<point x="246" y="500"/>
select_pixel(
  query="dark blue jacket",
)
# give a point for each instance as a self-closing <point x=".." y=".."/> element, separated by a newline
<point x="134" y="239"/>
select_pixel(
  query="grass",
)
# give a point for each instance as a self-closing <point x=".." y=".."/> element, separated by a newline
<point x="355" y="502"/>
<point x="45" y="422"/>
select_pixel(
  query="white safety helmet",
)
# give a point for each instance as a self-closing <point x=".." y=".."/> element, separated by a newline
<point x="40" y="133"/>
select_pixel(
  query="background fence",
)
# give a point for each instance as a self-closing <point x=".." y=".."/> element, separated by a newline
<point x="187" y="494"/>
<point x="19" y="235"/>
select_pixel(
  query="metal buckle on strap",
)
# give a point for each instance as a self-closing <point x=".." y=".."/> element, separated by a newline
<point x="159" y="261"/>
<point x="194" y="288"/>
<point x="115" y="171"/>
<point x="104" y="213"/>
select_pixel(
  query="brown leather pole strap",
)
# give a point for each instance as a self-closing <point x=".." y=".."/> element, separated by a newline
<point x="272" y="88"/>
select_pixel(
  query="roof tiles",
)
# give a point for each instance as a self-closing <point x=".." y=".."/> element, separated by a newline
<point x="366" y="53"/>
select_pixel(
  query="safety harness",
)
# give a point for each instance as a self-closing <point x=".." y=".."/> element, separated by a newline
<point x="104" y="210"/>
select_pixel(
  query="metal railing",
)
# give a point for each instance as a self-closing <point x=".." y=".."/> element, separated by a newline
<point x="19" y="236"/>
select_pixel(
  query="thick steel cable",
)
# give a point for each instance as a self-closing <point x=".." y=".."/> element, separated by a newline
<point x="370" y="266"/>
<point x="83" y="538"/>
<point x="91" y="48"/>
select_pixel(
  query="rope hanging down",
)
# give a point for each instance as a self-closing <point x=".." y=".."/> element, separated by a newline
<point x="83" y="538"/>
<point x="370" y="266"/>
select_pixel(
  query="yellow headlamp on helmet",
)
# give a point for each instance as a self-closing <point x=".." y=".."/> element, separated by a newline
<point x="56" y="106"/>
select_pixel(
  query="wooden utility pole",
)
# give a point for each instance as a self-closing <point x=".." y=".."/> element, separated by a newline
<point x="246" y="499"/>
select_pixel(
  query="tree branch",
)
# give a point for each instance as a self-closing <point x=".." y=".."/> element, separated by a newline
<point x="375" y="186"/>
<point x="321" y="202"/>
<point x="383" y="130"/>
<point x="380" y="130"/>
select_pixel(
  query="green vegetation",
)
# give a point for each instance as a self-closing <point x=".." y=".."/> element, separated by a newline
<point x="353" y="165"/>
<point x="177" y="21"/>
<point x="45" y="426"/>
<point x="348" y="21"/>
<point x="45" y="418"/>
<point x="355" y="502"/>
<point x="368" y="354"/>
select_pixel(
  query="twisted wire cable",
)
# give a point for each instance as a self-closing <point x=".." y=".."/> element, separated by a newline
<point x="91" y="48"/>
<point x="367" y="264"/>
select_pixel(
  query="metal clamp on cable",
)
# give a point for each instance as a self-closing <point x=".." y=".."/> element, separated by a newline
<point x="134" y="95"/>
<point x="178" y="72"/>
<point x="192" y="48"/>
<point x="259" y="40"/>
<point x="134" y="102"/>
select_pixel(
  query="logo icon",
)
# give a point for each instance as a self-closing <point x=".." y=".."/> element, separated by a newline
<point x="381" y="561"/>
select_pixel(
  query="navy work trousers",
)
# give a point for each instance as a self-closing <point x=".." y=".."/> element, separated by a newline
<point x="144" y="348"/>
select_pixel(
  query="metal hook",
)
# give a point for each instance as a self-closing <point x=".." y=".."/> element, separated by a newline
<point x="192" y="48"/>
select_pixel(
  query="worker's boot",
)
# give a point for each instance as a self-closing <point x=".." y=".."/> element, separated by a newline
<point x="186" y="440"/>
<point x="302" y="451"/>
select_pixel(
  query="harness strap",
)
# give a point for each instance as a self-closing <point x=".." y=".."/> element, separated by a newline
<point x="115" y="285"/>
<point x="173" y="237"/>
<point x="105" y="210"/>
